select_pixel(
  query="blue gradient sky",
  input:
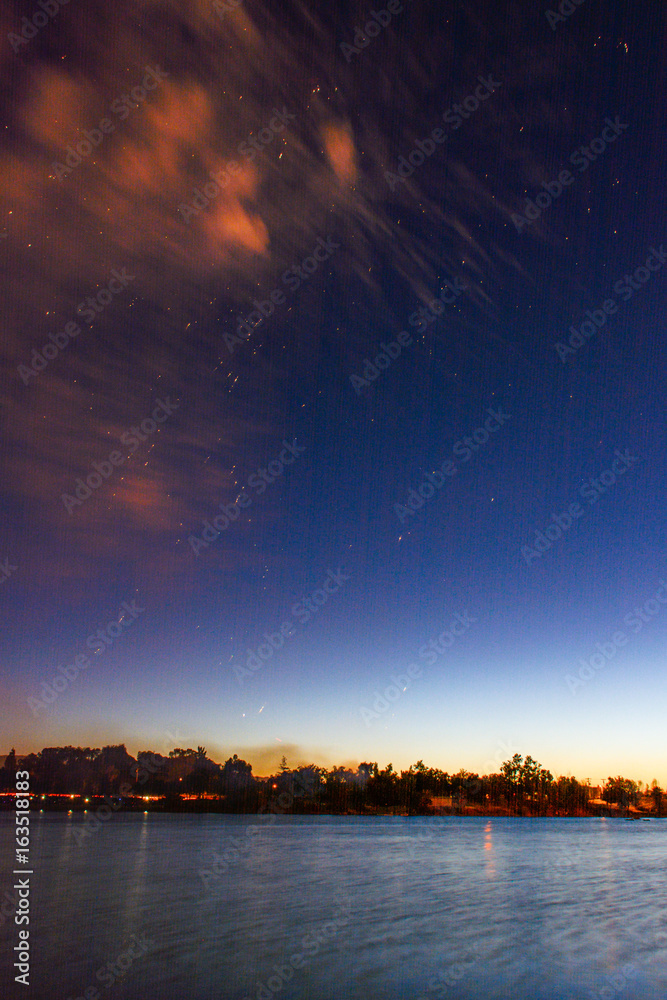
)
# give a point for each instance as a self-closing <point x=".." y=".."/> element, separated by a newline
<point x="169" y="678"/>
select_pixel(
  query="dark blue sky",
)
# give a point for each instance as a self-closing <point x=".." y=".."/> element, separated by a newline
<point x="443" y="632"/>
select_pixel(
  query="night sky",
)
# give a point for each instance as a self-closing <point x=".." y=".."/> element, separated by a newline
<point x="475" y="510"/>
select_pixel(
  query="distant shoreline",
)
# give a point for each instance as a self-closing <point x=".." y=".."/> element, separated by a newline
<point x="103" y="781"/>
<point x="160" y="806"/>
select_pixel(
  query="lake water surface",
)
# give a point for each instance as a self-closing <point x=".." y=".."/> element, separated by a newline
<point x="308" y="908"/>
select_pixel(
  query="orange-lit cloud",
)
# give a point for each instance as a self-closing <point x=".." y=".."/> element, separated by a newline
<point x="119" y="207"/>
<point x="339" y="148"/>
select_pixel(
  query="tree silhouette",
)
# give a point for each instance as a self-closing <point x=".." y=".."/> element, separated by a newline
<point x="656" y="796"/>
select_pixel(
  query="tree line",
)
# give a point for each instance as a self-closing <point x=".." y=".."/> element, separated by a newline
<point x="187" y="778"/>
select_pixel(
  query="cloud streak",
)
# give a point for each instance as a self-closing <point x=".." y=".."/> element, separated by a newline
<point x="322" y="173"/>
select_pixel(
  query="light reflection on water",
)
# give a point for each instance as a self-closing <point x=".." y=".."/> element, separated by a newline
<point x="488" y="846"/>
<point x="388" y="908"/>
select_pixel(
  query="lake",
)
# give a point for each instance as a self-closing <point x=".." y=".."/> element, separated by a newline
<point x="189" y="907"/>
